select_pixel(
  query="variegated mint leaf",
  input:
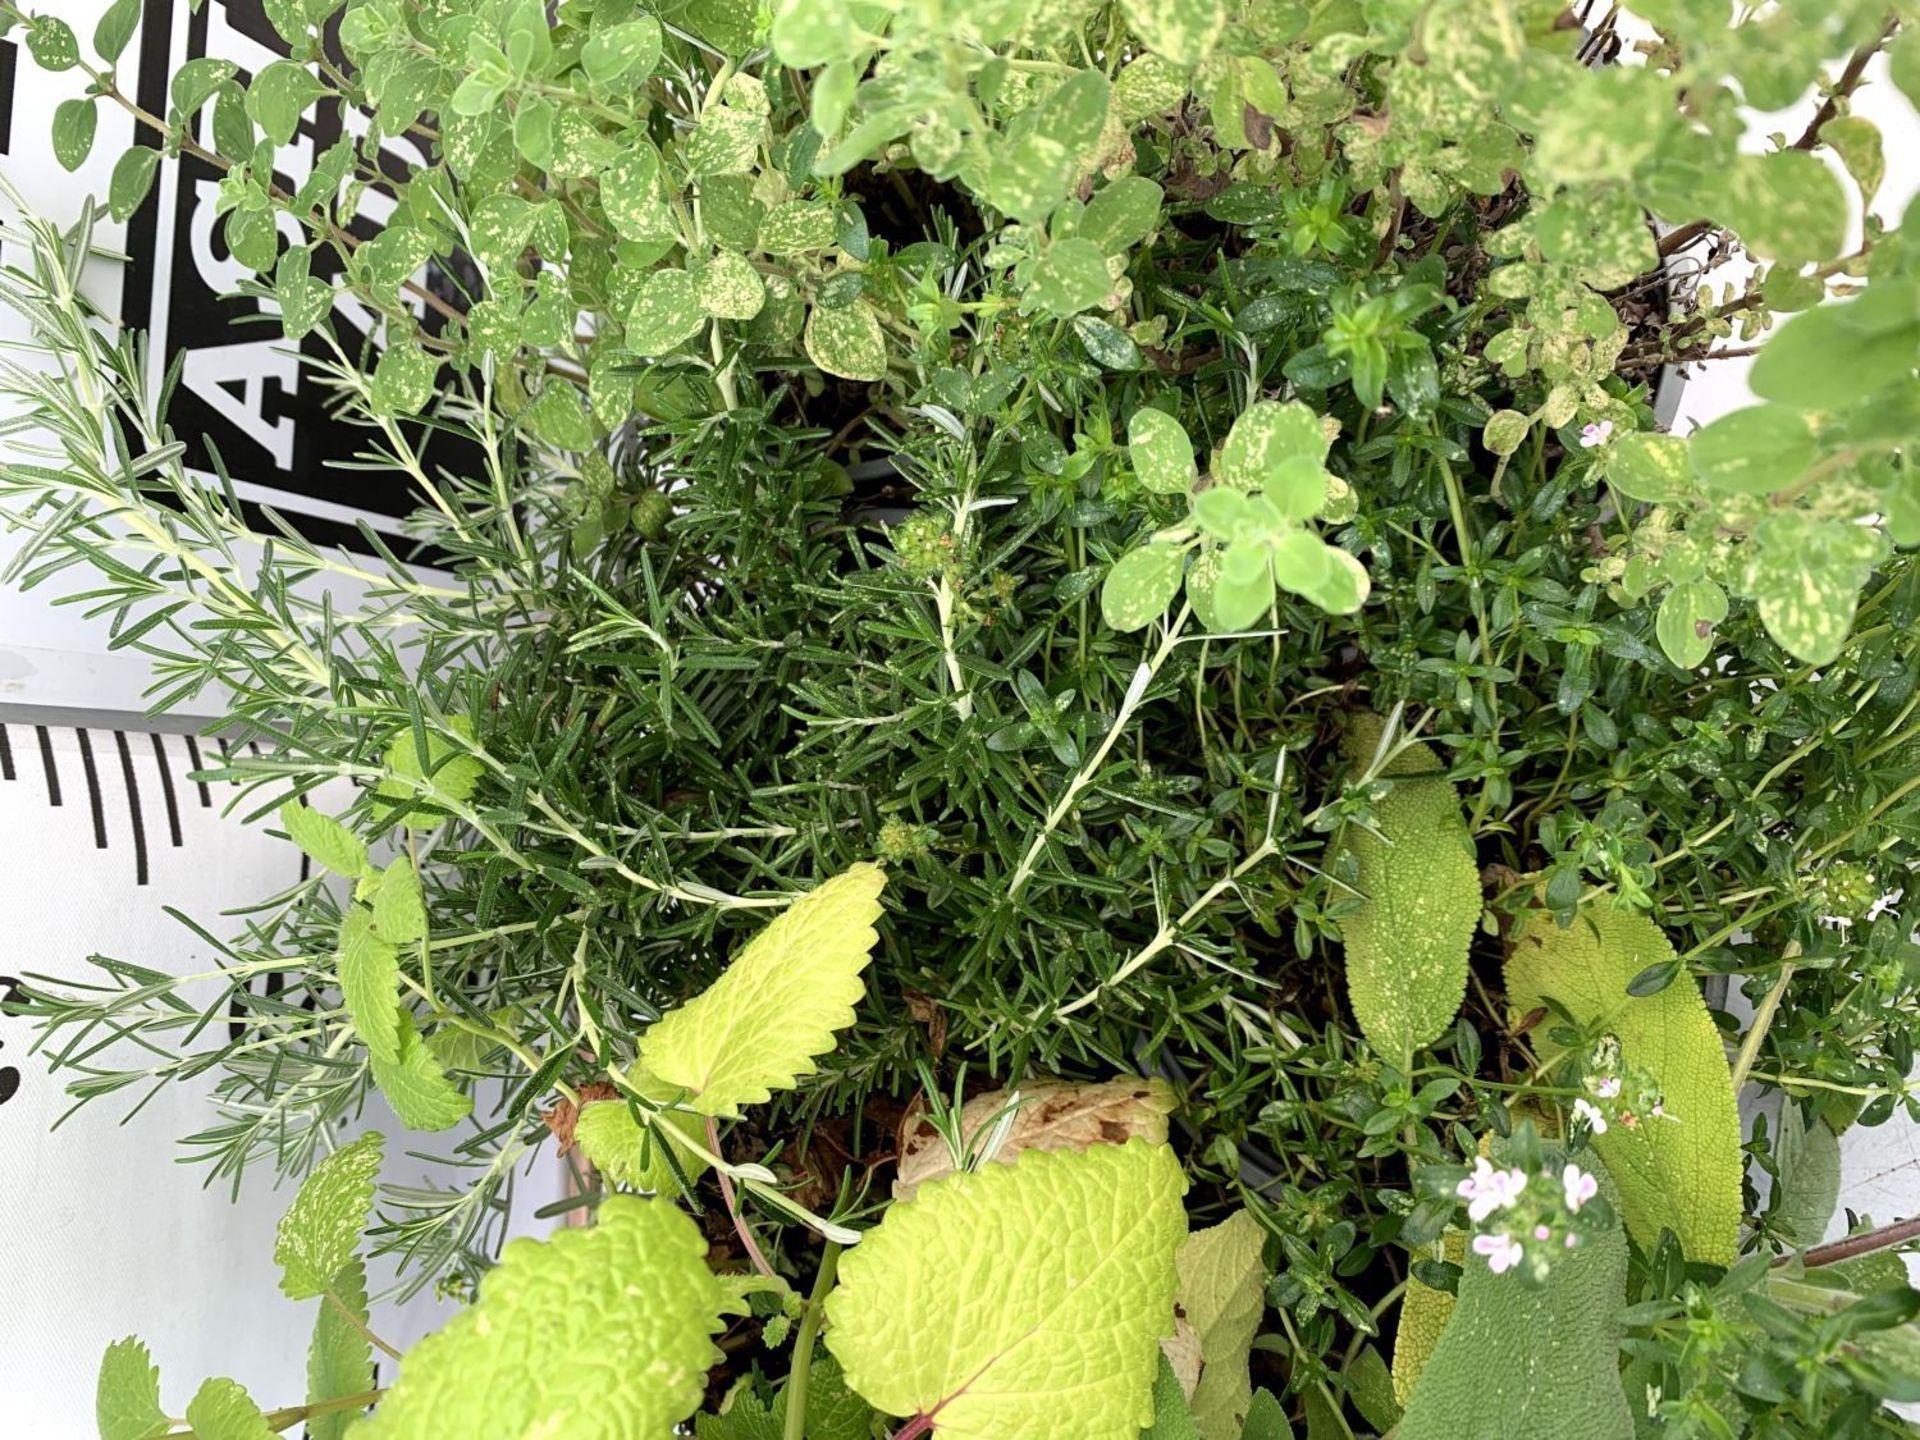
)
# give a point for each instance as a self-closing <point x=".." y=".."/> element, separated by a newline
<point x="321" y="1229"/>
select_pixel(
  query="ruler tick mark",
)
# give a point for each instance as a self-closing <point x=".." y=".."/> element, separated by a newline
<point x="133" y="808"/>
<point x="193" y="753"/>
<point x="166" y="788"/>
<point x="47" y="766"/>
<point x="93" y="789"/>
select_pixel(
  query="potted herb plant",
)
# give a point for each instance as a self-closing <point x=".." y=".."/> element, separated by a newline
<point x="1070" y="730"/>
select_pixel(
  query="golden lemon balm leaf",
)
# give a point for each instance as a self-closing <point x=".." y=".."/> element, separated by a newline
<point x="629" y="1153"/>
<point x="1053" y="1115"/>
<point x="603" y="1333"/>
<point x="1001" y="1299"/>
<point x="1681" y="1173"/>
<point x="759" y="1026"/>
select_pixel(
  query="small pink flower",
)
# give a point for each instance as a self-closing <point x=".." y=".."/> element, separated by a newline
<point x="1502" y="1251"/>
<point x="1596" y="434"/>
<point x="1580" y="1187"/>
<point x="1488" y="1189"/>
<point x="1607" y="1086"/>
<point x="1541" y="1232"/>
<point x="1572" y="1240"/>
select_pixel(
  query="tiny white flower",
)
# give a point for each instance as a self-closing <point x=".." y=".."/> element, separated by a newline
<point x="1607" y="1086"/>
<point x="1587" y="1111"/>
<point x="1580" y="1187"/>
<point x="1594" y="434"/>
<point x="1502" y="1251"/>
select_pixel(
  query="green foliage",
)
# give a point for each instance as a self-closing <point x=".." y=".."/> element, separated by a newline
<point x="1012" y="442"/>
<point x="1518" y="1362"/>
<point x="632" y="1152"/>
<point x="920" y="1329"/>
<point x="1806" y="1158"/>
<point x="222" y="1410"/>
<point x="1172" y="1415"/>
<point x="1680" y="1171"/>
<point x="325" y="839"/>
<point x="633" y="1293"/>
<point x="1418" y="891"/>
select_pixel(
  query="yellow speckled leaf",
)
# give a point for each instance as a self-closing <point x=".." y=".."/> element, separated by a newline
<point x="759" y="1026"/>
<point x="1407" y="943"/>
<point x="1424" y="1312"/>
<point x="1683" y="1173"/>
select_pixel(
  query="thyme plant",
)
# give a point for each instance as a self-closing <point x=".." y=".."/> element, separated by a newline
<point x="1120" y="549"/>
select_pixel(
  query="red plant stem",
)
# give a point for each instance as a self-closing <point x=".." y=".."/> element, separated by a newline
<point x="1863" y="1244"/>
<point x="918" y="1425"/>
<point x="733" y="1208"/>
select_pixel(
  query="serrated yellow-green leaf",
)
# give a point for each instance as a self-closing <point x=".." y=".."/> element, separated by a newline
<point x="126" y="1403"/>
<point x="1424" y="1312"/>
<point x="1407" y="942"/>
<point x="222" y="1410"/>
<point x="321" y="1229"/>
<point x="325" y="839"/>
<point x="1520" y="1362"/>
<point x="759" y="1026"/>
<point x="628" y="1153"/>
<point x="1682" y="1173"/>
<point x="416" y="1085"/>
<point x="996" y="1299"/>
<point x="339" y="1358"/>
<point x="602" y="1333"/>
<point x="1222" y="1293"/>
<point x="399" y="912"/>
<point x="370" y="984"/>
<point x="454" y="772"/>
